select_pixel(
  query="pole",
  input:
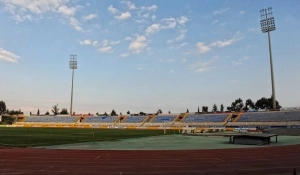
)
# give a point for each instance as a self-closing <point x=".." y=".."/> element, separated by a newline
<point x="271" y="64"/>
<point x="272" y="73"/>
<point x="73" y="65"/>
<point x="72" y="92"/>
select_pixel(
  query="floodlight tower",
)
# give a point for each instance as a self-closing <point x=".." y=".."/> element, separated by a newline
<point x="72" y="65"/>
<point x="267" y="23"/>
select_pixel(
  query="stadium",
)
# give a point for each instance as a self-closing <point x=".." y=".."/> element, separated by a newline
<point x="186" y="143"/>
<point x="141" y="56"/>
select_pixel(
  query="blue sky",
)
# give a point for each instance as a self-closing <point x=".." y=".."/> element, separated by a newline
<point x="145" y="55"/>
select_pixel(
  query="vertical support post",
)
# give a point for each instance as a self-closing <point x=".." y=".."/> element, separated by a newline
<point x="267" y="25"/>
<point x="72" y="65"/>
<point x="72" y="92"/>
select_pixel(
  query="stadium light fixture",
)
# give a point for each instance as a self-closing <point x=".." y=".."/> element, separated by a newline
<point x="72" y="65"/>
<point x="267" y="23"/>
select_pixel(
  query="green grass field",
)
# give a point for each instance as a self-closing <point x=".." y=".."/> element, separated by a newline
<point x="30" y="137"/>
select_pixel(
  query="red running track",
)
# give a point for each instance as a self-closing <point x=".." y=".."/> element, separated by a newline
<point x="261" y="160"/>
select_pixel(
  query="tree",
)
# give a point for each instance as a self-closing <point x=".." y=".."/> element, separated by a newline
<point x="2" y="107"/>
<point x="38" y="112"/>
<point x="47" y="113"/>
<point x="113" y="113"/>
<point x="159" y="111"/>
<point x="64" y="111"/>
<point x="229" y="108"/>
<point x="222" y="108"/>
<point x="266" y="103"/>
<point x="204" y="109"/>
<point x="55" y="109"/>
<point x="14" y="112"/>
<point x="105" y="114"/>
<point x="97" y="114"/>
<point x="128" y="112"/>
<point x="237" y="105"/>
<point x="249" y="105"/>
<point x="142" y="113"/>
<point x="215" y="108"/>
<point x="187" y="111"/>
<point x="198" y="110"/>
<point x="169" y="112"/>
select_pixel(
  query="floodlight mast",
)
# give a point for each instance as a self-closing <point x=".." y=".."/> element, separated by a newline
<point x="72" y="65"/>
<point x="267" y="23"/>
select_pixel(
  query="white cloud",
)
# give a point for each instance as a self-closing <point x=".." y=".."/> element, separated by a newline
<point x="112" y="10"/>
<point x="242" y="12"/>
<point x="220" y="11"/>
<point x="202" y="48"/>
<point x="223" y="24"/>
<point x="85" y="42"/>
<point x="89" y="17"/>
<point x="172" y="71"/>
<point x="114" y="42"/>
<point x="95" y="43"/>
<point x="128" y="39"/>
<point x="183" y="44"/>
<point x="34" y="6"/>
<point x="200" y="67"/>
<point x="20" y="9"/>
<point x="105" y="49"/>
<point x="74" y="22"/>
<point x="130" y="5"/>
<point x="153" y="17"/>
<point x="169" y="23"/>
<point x="225" y="42"/>
<point x="123" y="55"/>
<point x="153" y="28"/>
<point x="214" y="21"/>
<point x="146" y="15"/>
<point x="66" y="11"/>
<point x="182" y="20"/>
<point x="138" y="44"/>
<point x="181" y="36"/>
<point x="123" y="16"/>
<point x="8" y="56"/>
<point x="240" y="61"/>
<point x="152" y="8"/>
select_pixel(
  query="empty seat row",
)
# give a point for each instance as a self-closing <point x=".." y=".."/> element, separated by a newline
<point x="100" y="119"/>
<point x="270" y="116"/>
<point x="134" y="119"/>
<point x="50" y="119"/>
<point x="205" y="118"/>
<point x="163" y="118"/>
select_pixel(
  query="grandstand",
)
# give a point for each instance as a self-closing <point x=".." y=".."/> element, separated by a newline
<point x="134" y="119"/>
<point x="50" y="119"/>
<point x="100" y="119"/>
<point x="161" y="121"/>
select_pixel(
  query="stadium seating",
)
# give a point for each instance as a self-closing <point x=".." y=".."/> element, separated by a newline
<point x="51" y="119"/>
<point x="270" y="116"/>
<point x="100" y="119"/>
<point x="134" y="119"/>
<point x="205" y="118"/>
<point x="164" y="118"/>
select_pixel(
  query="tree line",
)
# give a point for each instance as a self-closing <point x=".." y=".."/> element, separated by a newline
<point x="237" y="106"/>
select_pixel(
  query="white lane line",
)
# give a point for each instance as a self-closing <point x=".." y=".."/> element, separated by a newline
<point x="46" y="168"/>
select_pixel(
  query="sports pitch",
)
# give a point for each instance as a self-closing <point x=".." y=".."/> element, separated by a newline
<point x="119" y="139"/>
